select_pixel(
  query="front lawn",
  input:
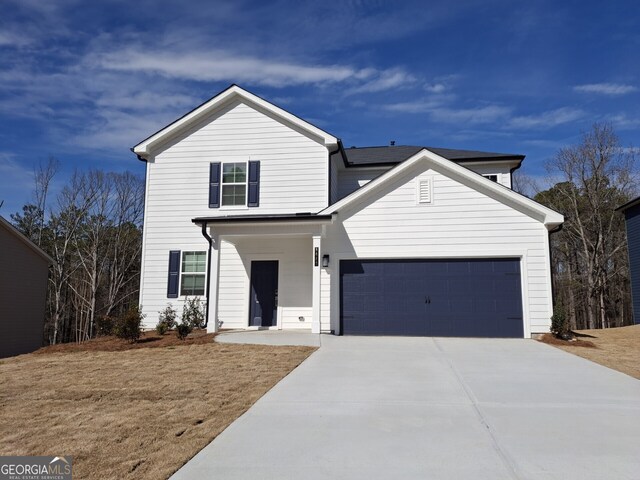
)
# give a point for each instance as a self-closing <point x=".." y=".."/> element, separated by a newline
<point x="136" y="413"/>
<point x="617" y="348"/>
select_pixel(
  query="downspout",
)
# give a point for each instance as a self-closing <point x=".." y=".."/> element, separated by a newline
<point x="513" y="169"/>
<point x="206" y="295"/>
<point x="338" y="149"/>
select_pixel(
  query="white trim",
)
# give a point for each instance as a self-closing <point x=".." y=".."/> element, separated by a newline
<point x="145" y="147"/>
<point x="246" y="185"/>
<point x="316" y="284"/>
<point x="203" y="273"/>
<point x="498" y="191"/>
<point x="143" y="251"/>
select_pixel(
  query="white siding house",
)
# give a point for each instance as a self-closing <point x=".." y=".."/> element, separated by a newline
<point x="272" y="222"/>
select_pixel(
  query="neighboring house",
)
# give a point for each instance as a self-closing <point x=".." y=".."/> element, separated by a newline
<point x="631" y="211"/>
<point x="23" y="292"/>
<point x="279" y="226"/>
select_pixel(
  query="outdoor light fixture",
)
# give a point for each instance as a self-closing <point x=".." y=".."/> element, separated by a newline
<point x="325" y="261"/>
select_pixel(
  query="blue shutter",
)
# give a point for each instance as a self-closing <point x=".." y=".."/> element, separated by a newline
<point x="174" y="274"/>
<point x="214" y="185"/>
<point x="254" y="184"/>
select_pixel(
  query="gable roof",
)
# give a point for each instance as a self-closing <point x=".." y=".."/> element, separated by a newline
<point x="548" y="217"/>
<point x="143" y="149"/>
<point x="391" y="155"/>
<point x="16" y="233"/>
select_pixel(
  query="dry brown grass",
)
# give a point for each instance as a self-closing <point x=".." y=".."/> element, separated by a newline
<point x="138" y="413"/>
<point x="617" y="348"/>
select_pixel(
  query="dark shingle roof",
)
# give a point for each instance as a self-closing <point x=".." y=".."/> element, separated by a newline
<point x="389" y="155"/>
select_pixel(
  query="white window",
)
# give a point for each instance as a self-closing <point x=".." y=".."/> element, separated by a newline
<point x="192" y="273"/>
<point x="492" y="177"/>
<point x="234" y="184"/>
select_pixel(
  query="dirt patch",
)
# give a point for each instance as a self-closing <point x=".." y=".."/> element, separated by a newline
<point x="553" y="340"/>
<point x="115" y="344"/>
<point x="617" y="348"/>
<point x="136" y="413"/>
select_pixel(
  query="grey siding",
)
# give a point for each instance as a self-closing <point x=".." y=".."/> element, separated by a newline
<point x="632" y="216"/>
<point x="23" y="288"/>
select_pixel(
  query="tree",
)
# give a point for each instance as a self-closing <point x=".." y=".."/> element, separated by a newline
<point x="589" y="254"/>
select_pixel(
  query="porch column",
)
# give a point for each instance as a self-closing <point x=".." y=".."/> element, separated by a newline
<point x="214" y="274"/>
<point x="315" y="296"/>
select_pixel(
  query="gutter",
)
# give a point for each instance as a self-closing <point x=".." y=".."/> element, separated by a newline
<point x="206" y="293"/>
<point x="142" y="159"/>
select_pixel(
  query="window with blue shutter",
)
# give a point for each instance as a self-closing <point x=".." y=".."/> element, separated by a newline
<point x="253" y="198"/>
<point x="174" y="274"/>
<point x="214" y="185"/>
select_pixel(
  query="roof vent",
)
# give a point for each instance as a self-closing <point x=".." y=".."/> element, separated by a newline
<point x="424" y="190"/>
<point x="392" y="143"/>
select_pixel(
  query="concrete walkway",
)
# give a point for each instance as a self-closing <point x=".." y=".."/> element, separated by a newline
<point x="270" y="337"/>
<point x="424" y="408"/>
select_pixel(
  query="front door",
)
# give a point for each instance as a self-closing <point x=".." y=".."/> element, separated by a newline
<point x="264" y="293"/>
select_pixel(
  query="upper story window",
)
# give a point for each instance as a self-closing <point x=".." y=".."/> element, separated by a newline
<point x="493" y="178"/>
<point x="234" y="184"/>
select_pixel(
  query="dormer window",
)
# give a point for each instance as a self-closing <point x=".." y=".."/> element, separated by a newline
<point x="493" y="178"/>
<point x="234" y="184"/>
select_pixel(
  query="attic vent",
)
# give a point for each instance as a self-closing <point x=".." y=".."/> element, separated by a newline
<point x="424" y="190"/>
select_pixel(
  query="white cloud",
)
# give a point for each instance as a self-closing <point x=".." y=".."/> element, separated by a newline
<point x="486" y="114"/>
<point x="385" y="80"/>
<point x="547" y="119"/>
<point x="11" y="39"/>
<point x="605" y="88"/>
<point x="435" y="87"/>
<point x="219" y="65"/>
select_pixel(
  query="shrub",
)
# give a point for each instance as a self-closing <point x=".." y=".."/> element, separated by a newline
<point x="105" y="325"/>
<point x="183" y="329"/>
<point x="168" y="316"/>
<point x="161" y="328"/>
<point x="560" y="323"/>
<point x="128" y="326"/>
<point x="193" y="313"/>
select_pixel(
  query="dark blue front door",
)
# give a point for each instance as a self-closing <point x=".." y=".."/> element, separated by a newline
<point x="264" y="293"/>
<point x="461" y="298"/>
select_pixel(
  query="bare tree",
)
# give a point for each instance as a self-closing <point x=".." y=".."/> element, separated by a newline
<point x="590" y="252"/>
<point x="43" y="175"/>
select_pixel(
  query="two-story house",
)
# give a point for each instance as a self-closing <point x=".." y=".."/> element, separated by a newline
<point x="277" y="225"/>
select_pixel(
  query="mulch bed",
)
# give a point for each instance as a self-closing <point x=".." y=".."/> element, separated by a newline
<point x="114" y="344"/>
<point x="576" y="342"/>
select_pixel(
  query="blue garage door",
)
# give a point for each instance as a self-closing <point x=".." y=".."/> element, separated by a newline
<point x="448" y="298"/>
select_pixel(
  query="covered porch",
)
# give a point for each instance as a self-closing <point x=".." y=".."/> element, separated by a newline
<point x="264" y="271"/>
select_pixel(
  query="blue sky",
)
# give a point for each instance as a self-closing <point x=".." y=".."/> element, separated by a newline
<point x="85" y="81"/>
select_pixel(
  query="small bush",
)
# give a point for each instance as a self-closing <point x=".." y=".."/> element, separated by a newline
<point x="161" y="328"/>
<point x="183" y="329"/>
<point x="193" y="313"/>
<point x="168" y="316"/>
<point x="128" y="326"/>
<point x="104" y="325"/>
<point x="560" y="323"/>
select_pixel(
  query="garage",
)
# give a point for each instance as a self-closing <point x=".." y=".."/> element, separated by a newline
<point x="443" y="297"/>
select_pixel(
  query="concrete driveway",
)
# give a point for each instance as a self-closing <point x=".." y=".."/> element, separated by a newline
<point x="425" y="408"/>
